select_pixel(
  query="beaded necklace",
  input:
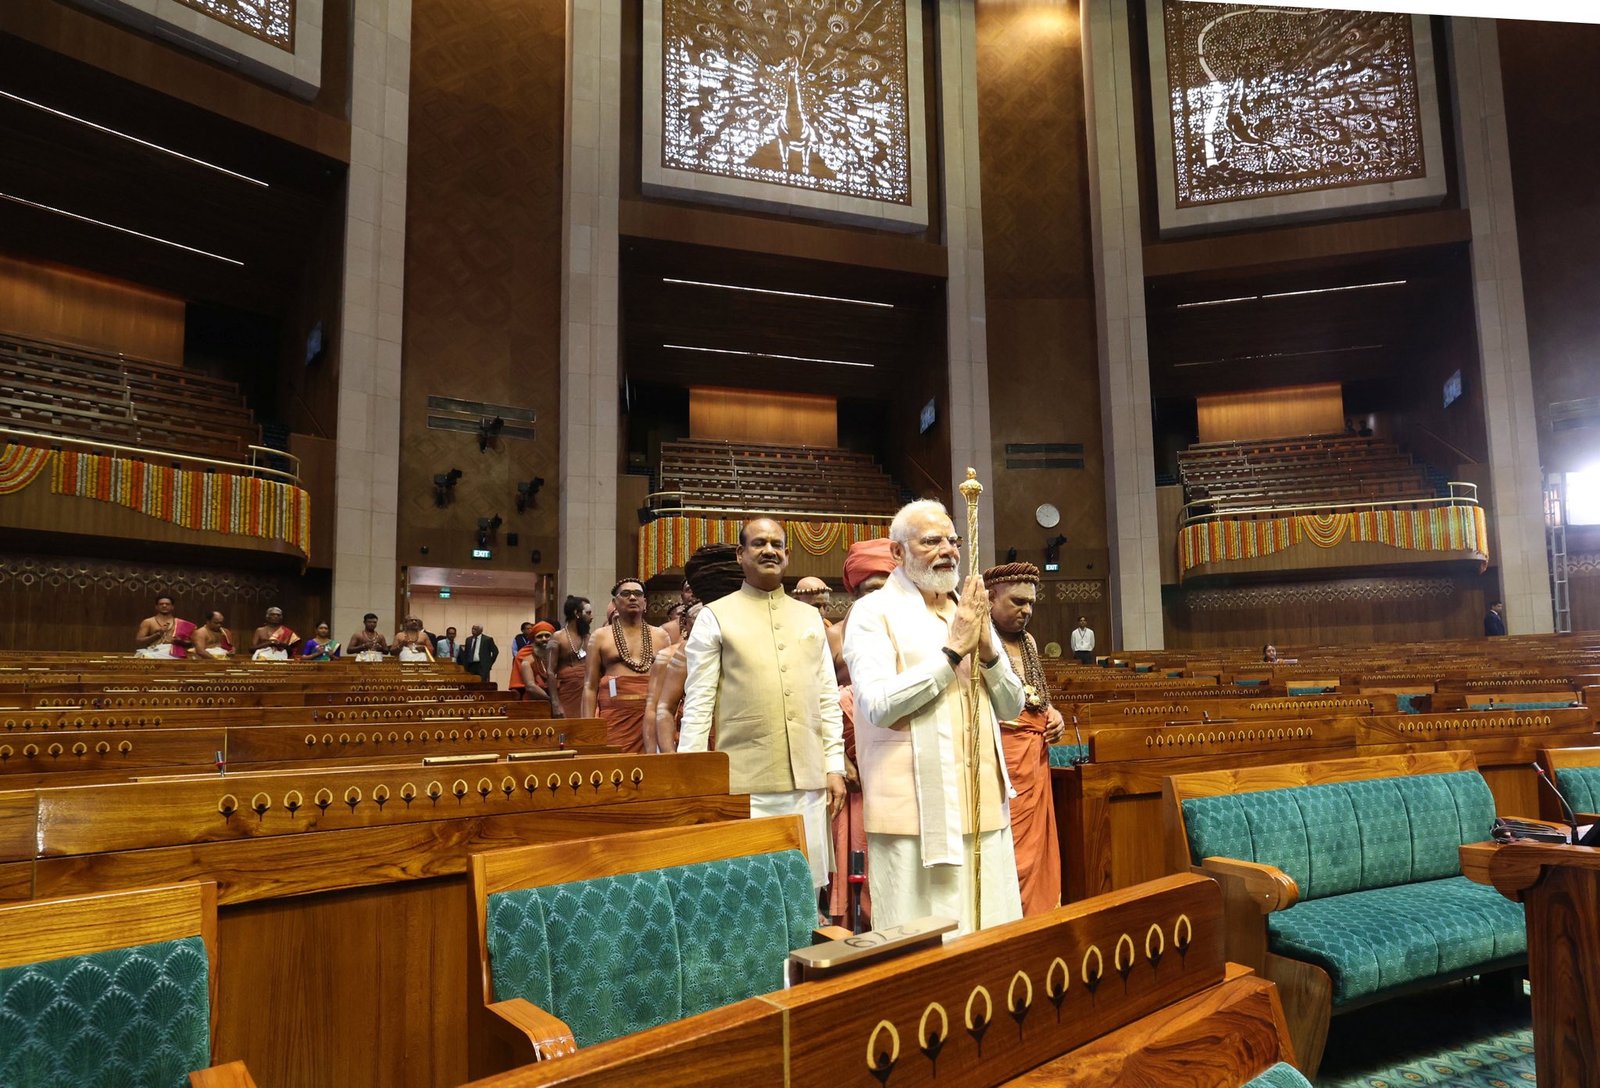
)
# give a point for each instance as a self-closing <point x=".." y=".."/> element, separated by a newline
<point x="647" y="655"/>
<point x="1035" y="689"/>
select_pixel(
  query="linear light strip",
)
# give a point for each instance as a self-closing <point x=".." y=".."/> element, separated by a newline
<point x="1280" y="355"/>
<point x="769" y="355"/>
<point x="120" y="230"/>
<point x="774" y="291"/>
<point x="133" y="139"/>
<point x="1290" y="294"/>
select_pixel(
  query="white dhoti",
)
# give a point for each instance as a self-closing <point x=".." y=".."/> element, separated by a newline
<point x="370" y="655"/>
<point x="270" y="653"/>
<point x="812" y="808"/>
<point x="160" y="652"/>
<point x="903" y="889"/>
<point x="414" y="654"/>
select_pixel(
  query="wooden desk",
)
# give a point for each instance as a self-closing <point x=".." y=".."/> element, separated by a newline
<point x="1559" y="887"/>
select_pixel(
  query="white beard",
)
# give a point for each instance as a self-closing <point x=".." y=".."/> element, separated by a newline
<point x="925" y="578"/>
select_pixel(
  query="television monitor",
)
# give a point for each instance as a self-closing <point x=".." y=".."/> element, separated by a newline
<point x="928" y="416"/>
<point x="1452" y="389"/>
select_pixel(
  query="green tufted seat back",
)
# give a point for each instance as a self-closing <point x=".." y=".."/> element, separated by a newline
<point x="1581" y="785"/>
<point x="615" y="955"/>
<point x="136" y="1016"/>
<point x="1282" y="1075"/>
<point x="1347" y="836"/>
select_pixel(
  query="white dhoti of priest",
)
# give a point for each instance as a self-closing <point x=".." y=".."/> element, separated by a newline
<point x="908" y="648"/>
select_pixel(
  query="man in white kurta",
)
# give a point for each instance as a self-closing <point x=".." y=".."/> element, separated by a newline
<point x="910" y="648"/>
<point x="760" y="669"/>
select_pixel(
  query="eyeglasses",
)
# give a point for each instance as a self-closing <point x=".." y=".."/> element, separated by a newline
<point x="630" y="593"/>
<point x="935" y="541"/>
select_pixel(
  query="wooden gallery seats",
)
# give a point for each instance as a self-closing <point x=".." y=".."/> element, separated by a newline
<point x="116" y="989"/>
<point x="1129" y="989"/>
<point x="580" y="942"/>
<point x="1342" y="880"/>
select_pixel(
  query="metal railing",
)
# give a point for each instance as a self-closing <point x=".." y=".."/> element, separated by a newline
<point x="654" y="504"/>
<point x="1461" y="493"/>
<point x="142" y="453"/>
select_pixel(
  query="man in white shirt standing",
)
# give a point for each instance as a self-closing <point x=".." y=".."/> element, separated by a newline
<point x="759" y="667"/>
<point x="911" y="648"/>
<point x="1083" y="642"/>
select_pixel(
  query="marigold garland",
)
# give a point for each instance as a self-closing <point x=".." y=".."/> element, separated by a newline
<point x="220" y="502"/>
<point x="20" y="466"/>
<point x="1451" y="528"/>
<point x="670" y="540"/>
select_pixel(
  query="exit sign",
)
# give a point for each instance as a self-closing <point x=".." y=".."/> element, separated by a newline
<point x="482" y="553"/>
<point x="444" y="593"/>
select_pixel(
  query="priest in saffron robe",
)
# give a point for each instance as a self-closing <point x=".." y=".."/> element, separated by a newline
<point x="620" y="656"/>
<point x="1013" y="589"/>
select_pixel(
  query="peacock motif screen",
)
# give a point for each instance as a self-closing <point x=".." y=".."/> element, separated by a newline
<point x="1261" y="102"/>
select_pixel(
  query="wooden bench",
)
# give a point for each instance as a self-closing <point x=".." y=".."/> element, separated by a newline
<point x="1124" y="991"/>
<point x="113" y="989"/>
<point x="1342" y="880"/>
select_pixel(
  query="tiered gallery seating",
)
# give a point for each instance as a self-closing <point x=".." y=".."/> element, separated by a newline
<point x="1316" y="470"/>
<point x="59" y="389"/>
<point x="797" y="479"/>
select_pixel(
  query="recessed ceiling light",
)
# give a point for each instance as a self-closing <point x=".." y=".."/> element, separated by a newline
<point x="133" y="139"/>
<point x="769" y="355"/>
<point x="774" y="291"/>
<point x="121" y="230"/>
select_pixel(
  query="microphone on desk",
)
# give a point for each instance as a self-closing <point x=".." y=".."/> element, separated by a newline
<point x="1079" y="760"/>
<point x="1566" y="809"/>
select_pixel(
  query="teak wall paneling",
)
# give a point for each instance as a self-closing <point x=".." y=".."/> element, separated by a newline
<point x="1410" y="608"/>
<point x="483" y="270"/>
<point x="76" y="603"/>
<point x="1044" y="385"/>
<point x="740" y="415"/>
<point x="64" y="305"/>
<point x="1272" y="413"/>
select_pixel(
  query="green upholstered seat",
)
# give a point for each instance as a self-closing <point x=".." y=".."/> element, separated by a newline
<point x="1382" y="900"/>
<point x="1581" y="785"/>
<point x="1062" y="755"/>
<point x="137" y="1016"/>
<point x="619" y="954"/>
<point x="1282" y="1075"/>
<point x="1371" y="941"/>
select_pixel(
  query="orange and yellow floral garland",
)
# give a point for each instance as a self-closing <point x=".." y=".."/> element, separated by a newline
<point x="1451" y="528"/>
<point x="670" y="540"/>
<point x="218" y="502"/>
<point x="20" y="465"/>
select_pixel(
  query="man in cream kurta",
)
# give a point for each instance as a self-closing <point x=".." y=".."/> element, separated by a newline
<point x="760" y="669"/>
<point x="910" y="648"/>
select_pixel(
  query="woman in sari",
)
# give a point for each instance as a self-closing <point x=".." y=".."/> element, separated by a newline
<point x="321" y="647"/>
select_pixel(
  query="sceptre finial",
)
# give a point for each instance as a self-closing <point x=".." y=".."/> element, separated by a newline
<point x="970" y="487"/>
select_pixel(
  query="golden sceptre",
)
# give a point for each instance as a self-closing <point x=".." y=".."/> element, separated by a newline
<point x="971" y="489"/>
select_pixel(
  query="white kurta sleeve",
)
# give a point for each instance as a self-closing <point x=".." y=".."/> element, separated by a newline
<point x="703" y="653"/>
<point x="884" y="696"/>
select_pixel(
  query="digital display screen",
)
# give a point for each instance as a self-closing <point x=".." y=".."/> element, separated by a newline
<point x="927" y="418"/>
<point x="1452" y="388"/>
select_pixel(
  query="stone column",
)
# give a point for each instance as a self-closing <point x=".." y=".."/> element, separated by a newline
<point x="966" y="327"/>
<point x="1516" y="505"/>
<point x="1132" y="532"/>
<point x="589" y="333"/>
<point x="367" y="465"/>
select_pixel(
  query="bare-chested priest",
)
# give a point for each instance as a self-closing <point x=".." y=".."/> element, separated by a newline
<point x="154" y="638"/>
<point x="567" y="658"/>
<point x="213" y="639"/>
<point x="618" y="674"/>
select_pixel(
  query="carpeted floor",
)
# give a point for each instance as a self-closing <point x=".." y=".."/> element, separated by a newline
<point x="1470" y="1035"/>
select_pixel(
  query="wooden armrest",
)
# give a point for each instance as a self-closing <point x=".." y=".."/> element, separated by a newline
<point x="824" y="934"/>
<point x="1267" y="887"/>
<point x="232" y="1075"/>
<point x="527" y="1024"/>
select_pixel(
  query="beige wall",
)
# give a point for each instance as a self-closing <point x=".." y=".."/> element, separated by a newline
<point x="501" y="616"/>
